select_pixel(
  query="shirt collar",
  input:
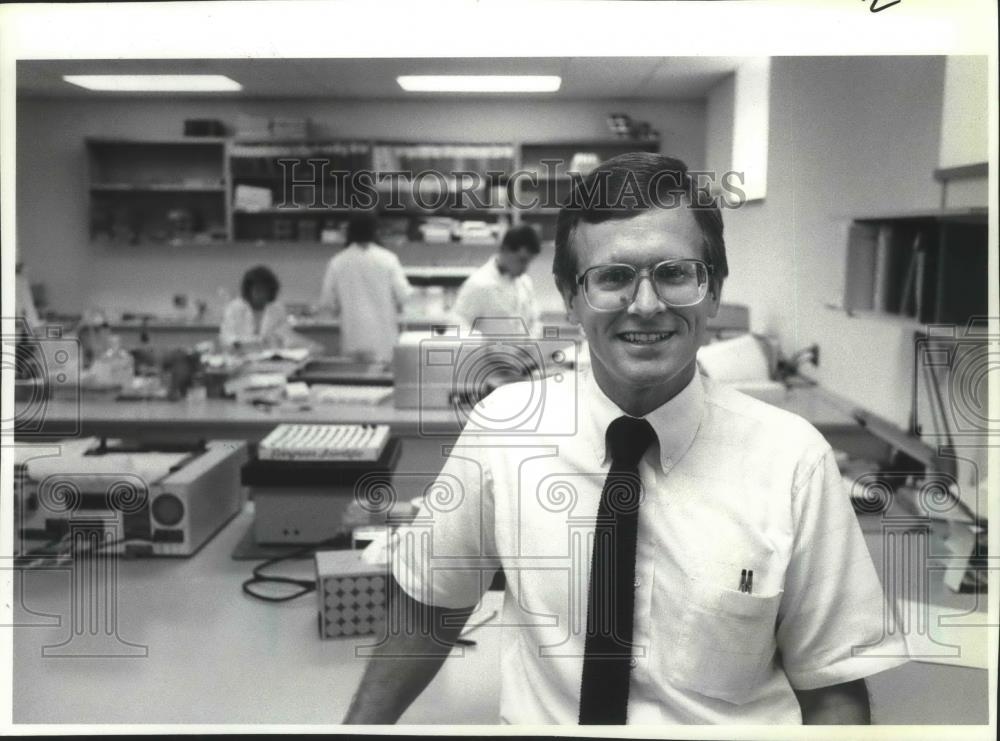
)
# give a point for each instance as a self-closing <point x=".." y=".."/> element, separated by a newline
<point x="676" y="422"/>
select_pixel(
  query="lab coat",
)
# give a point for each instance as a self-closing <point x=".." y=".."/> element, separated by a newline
<point x="239" y="326"/>
<point x="366" y="287"/>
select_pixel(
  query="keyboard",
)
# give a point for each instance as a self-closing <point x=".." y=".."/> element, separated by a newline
<point x="311" y="442"/>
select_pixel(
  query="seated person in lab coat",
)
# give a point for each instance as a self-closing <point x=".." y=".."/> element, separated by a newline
<point x="365" y="285"/>
<point x="501" y="289"/>
<point x="256" y="319"/>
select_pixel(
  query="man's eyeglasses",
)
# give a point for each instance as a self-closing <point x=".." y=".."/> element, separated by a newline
<point x="677" y="283"/>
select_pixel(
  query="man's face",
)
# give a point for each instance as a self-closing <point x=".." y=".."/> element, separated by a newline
<point x="643" y="354"/>
<point x="515" y="262"/>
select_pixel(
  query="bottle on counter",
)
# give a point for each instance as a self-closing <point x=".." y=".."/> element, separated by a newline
<point x="93" y="332"/>
<point x="115" y="367"/>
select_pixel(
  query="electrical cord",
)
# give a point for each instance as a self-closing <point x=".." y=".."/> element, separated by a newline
<point x="305" y="586"/>
<point x="308" y="586"/>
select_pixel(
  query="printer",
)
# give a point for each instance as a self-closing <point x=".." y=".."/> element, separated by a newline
<point x="158" y="500"/>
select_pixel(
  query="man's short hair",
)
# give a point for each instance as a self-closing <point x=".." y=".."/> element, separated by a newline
<point x="624" y="187"/>
<point x="521" y="236"/>
<point x="260" y="275"/>
<point x="361" y="228"/>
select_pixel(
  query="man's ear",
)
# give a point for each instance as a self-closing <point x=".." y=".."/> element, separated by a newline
<point x="570" y="302"/>
<point x="714" y="298"/>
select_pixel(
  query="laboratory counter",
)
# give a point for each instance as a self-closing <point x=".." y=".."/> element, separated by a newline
<point x="179" y="642"/>
<point x="222" y="418"/>
<point x="166" y="333"/>
<point x="182" y="644"/>
<point x="226" y="418"/>
<point x="180" y="333"/>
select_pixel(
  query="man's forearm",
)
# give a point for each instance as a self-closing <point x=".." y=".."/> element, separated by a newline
<point x="419" y="641"/>
<point x="839" y="704"/>
<point x="391" y="684"/>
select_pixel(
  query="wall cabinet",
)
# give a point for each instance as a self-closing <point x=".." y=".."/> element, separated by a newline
<point x="443" y="196"/>
<point x="931" y="267"/>
<point x="158" y="192"/>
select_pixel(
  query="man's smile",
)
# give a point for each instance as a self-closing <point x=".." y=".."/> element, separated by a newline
<point x="645" y="338"/>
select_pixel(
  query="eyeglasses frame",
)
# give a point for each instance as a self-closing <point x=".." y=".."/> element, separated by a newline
<point x="645" y="273"/>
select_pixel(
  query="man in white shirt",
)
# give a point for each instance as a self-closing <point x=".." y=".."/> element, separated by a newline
<point x="502" y="289"/>
<point x="365" y="285"/>
<point x="675" y="552"/>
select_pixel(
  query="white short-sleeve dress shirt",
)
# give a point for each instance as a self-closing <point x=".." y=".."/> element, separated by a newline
<point x="732" y="484"/>
<point x="366" y="286"/>
<point x="489" y="294"/>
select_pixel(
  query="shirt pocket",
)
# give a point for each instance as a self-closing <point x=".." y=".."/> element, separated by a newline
<point x="723" y="641"/>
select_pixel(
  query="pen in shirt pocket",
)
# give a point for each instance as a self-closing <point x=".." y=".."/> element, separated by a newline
<point x="746" y="581"/>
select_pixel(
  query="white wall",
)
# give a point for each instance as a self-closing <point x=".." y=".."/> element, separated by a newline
<point x="52" y="204"/>
<point x="963" y="127"/>
<point x="964" y="120"/>
<point x="848" y="136"/>
<point x="720" y="115"/>
<point x="750" y="124"/>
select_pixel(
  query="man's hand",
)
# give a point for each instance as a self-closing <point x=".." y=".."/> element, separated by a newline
<point x="838" y="704"/>
<point x="420" y="638"/>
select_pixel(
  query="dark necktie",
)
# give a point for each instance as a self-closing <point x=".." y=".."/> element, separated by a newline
<point x="611" y="600"/>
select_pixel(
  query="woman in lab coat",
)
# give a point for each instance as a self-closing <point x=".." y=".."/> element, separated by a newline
<point x="256" y="318"/>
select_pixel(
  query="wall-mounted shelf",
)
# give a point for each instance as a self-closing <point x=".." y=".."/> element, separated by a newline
<point x="553" y="165"/>
<point x="215" y="191"/>
<point x="156" y="188"/>
<point x="297" y="211"/>
<point x="977" y="170"/>
<point x="165" y="192"/>
<point x="947" y="175"/>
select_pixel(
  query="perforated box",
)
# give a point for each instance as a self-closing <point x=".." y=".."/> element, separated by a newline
<point x="351" y="594"/>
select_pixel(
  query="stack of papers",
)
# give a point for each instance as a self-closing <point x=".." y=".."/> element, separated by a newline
<point x="350" y="394"/>
<point x="255" y="382"/>
<point x="252" y="198"/>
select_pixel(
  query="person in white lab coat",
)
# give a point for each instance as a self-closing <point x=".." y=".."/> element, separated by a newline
<point x="256" y="318"/>
<point x="365" y="285"/>
<point x="501" y="289"/>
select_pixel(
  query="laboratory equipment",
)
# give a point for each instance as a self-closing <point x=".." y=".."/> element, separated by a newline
<point x="320" y="481"/>
<point x="164" y="500"/>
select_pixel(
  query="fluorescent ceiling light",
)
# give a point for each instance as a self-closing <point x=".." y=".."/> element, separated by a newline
<point x="479" y="83"/>
<point x="158" y="83"/>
